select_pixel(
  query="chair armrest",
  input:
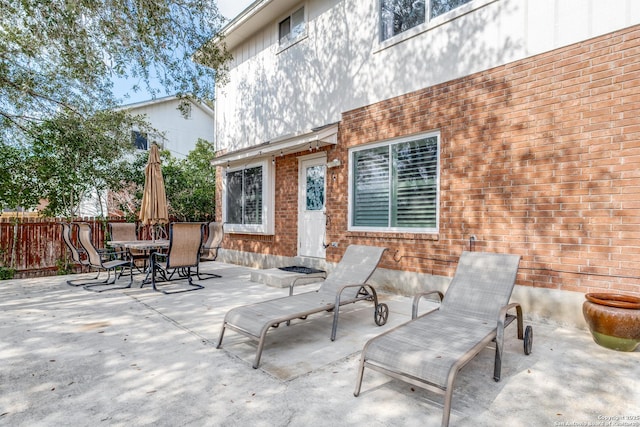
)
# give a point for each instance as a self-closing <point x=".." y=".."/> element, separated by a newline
<point x="353" y="285"/>
<point x="416" y="301"/>
<point x="110" y="254"/>
<point x="155" y="254"/>
<point x="291" y="286"/>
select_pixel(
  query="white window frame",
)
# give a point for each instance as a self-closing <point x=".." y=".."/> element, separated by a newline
<point x="290" y="41"/>
<point x="268" y="200"/>
<point x="388" y="143"/>
<point x="429" y="22"/>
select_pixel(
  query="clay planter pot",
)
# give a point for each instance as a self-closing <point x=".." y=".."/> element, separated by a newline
<point x="613" y="319"/>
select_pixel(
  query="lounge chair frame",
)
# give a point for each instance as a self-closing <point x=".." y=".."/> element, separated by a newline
<point x="496" y="335"/>
<point x="363" y="292"/>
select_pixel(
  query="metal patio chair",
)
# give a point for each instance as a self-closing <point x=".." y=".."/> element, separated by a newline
<point x="211" y="247"/>
<point x="128" y="231"/>
<point x="344" y="285"/>
<point x="429" y="350"/>
<point x="107" y="261"/>
<point x="185" y="240"/>
<point x="78" y="254"/>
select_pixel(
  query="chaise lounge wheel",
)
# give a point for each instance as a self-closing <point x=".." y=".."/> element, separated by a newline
<point x="381" y="314"/>
<point x="528" y="340"/>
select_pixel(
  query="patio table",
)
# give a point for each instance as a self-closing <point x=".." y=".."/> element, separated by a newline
<point x="150" y="246"/>
<point x="139" y="244"/>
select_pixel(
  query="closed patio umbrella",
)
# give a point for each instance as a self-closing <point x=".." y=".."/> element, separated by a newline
<point x="153" y="210"/>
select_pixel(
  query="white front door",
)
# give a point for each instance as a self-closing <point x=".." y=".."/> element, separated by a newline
<point x="311" y="211"/>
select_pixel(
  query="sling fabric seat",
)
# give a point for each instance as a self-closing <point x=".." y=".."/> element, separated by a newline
<point x="429" y="350"/>
<point x="345" y="284"/>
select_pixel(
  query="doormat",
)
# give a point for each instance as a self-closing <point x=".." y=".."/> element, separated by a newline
<point x="302" y="270"/>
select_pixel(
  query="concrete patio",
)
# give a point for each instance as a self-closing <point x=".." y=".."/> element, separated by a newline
<point x="136" y="357"/>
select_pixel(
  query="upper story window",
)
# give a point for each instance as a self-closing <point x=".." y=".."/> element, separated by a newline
<point x="139" y="140"/>
<point x="186" y="111"/>
<point x="292" y="27"/>
<point x="398" y="16"/>
<point x="394" y="185"/>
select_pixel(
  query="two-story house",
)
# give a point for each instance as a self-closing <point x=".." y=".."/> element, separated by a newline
<point x="433" y="127"/>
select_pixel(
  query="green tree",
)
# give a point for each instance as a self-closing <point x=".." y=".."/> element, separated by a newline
<point x="65" y="54"/>
<point x="192" y="194"/>
<point x="18" y="190"/>
<point x="18" y="184"/>
<point x="75" y="157"/>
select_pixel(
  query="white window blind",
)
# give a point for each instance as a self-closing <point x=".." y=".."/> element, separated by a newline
<point x="395" y="186"/>
<point x="244" y="196"/>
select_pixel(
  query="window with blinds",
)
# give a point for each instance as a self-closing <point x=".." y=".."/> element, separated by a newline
<point x="394" y="186"/>
<point x="244" y="196"/>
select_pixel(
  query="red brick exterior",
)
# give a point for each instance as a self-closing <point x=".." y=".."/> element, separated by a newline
<point x="540" y="157"/>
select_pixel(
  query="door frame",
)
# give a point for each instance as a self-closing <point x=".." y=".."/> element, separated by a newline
<point x="319" y="159"/>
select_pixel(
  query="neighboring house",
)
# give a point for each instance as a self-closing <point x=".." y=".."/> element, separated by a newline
<point x="435" y="127"/>
<point x="178" y="132"/>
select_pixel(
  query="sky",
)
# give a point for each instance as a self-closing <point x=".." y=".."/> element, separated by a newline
<point x="228" y="8"/>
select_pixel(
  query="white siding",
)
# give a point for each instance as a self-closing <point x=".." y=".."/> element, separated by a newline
<point x="180" y="133"/>
<point x="341" y="65"/>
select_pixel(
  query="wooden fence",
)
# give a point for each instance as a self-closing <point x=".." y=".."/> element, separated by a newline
<point x="36" y="245"/>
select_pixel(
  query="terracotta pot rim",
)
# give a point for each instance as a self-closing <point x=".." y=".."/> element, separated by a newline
<point x="614" y="300"/>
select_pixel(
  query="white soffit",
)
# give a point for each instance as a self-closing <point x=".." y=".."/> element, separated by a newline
<point x="313" y="139"/>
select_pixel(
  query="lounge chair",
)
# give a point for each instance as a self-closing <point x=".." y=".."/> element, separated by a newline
<point x="429" y="350"/>
<point x="211" y="247"/>
<point x="128" y="231"/>
<point x="185" y="240"/>
<point x="344" y="285"/>
<point x="109" y="261"/>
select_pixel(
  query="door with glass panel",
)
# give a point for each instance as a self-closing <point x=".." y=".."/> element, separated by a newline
<point x="311" y="207"/>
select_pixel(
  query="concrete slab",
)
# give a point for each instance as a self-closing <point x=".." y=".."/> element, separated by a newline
<point x="135" y="357"/>
<point x="283" y="279"/>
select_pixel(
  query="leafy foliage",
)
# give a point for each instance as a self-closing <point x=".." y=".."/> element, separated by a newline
<point x="59" y="136"/>
<point x="191" y="185"/>
<point x="18" y="185"/>
<point x="58" y="53"/>
<point x="74" y="157"/>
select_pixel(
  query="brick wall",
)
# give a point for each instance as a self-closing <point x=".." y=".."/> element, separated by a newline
<point x="540" y="157"/>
